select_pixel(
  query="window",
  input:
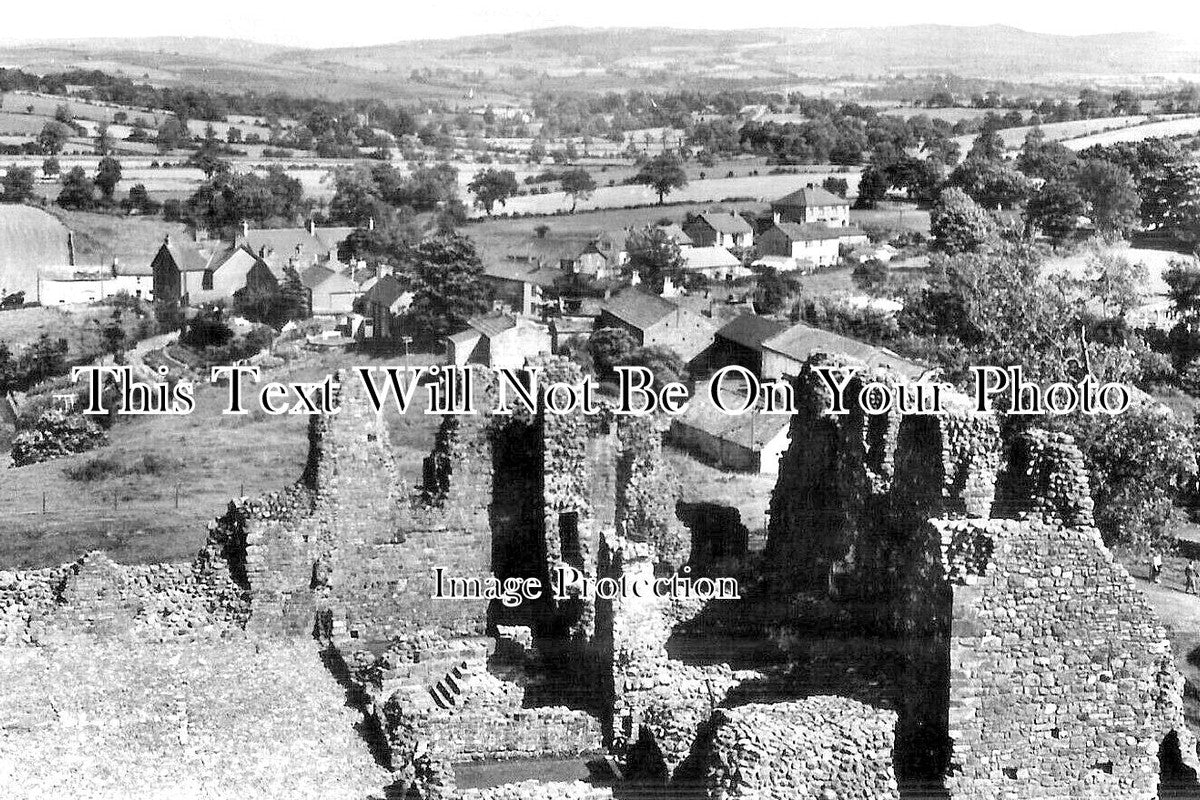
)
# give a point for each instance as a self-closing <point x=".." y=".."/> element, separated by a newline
<point x="206" y="282"/>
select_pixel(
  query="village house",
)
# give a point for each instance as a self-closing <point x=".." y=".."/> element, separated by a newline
<point x="750" y="442"/>
<point x="498" y="341"/>
<point x="812" y="205"/>
<point x="740" y="342"/>
<point x="714" y="262"/>
<point x="184" y="273"/>
<point x="383" y="304"/>
<point x="302" y="247"/>
<point x="178" y="269"/>
<point x="785" y="353"/>
<point x="66" y="285"/>
<point x="655" y="321"/>
<point x="804" y="246"/>
<point x="723" y="230"/>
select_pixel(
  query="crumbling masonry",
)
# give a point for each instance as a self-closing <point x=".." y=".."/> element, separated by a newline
<point x="934" y="608"/>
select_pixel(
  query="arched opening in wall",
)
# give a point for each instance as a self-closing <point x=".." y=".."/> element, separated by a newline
<point x="1176" y="780"/>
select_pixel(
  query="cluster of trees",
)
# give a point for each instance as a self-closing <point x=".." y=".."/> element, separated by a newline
<point x="79" y="189"/>
<point x="227" y="199"/>
<point x="613" y="347"/>
<point x="379" y="192"/>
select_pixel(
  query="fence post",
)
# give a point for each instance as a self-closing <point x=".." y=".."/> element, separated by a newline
<point x="43" y="502"/>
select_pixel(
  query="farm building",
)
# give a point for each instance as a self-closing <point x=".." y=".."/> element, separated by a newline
<point x="383" y="303"/>
<point x="720" y="229"/>
<point x="749" y="442"/>
<point x="498" y="340"/>
<point x="656" y="321"/>
<point x="69" y="284"/>
<point x="785" y="353"/>
<point x="740" y="342"/>
<point x="186" y="273"/>
<point x="812" y="204"/>
<point x="331" y="289"/>
<point x="812" y="245"/>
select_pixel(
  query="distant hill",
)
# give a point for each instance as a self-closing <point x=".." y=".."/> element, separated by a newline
<point x="620" y="58"/>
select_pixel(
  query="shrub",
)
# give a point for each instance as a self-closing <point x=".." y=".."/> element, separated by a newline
<point x="94" y="469"/>
<point x="54" y="435"/>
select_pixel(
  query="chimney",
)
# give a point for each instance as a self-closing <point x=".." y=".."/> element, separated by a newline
<point x="312" y="228"/>
<point x="245" y="228"/>
<point x="775" y="217"/>
<point x="70" y="249"/>
<point x="371" y="224"/>
<point x="167" y="240"/>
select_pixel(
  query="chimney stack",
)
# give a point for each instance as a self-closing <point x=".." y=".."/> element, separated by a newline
<point x="70" y="248"/>
<point x="245" y="228"/>
<point x="312" y="228"/>
<point x="371" y="224"/>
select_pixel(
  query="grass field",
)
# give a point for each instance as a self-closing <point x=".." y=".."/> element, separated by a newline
<point x="130" y="509"/>
<point x="1063" y="131"/>
<point x="29" y="238"/>
<point x="1172" y="127"/>
<point x="101" y="237"/>
<point x="761" y="188"/>
<point x="45" y="106"/>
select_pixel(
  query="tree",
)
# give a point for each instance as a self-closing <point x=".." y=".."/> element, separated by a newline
<point x="1139" y="462"/>
<point x="447" y="286"/>
<point x="836" y="186"/>
<point x="663" y="362"/>
<point x="1045" y="160"/>
<point x="50" y="167"/>
<point x="1116" y="281"/>
<point x="958" y="224"/>
<point x="171" y="134"/>
<point x="664" y="173"/>
<point x="1111" y="195"/>
<point x="78" y="192"/>
<point x="988" y="146"/>
<point x="1055" y="209"/>
<point x="654" y="256"/>
<point x="992" y="184"/>
<point x="54" y="137"/>
<point x="873" y="186"/>
<point x="578" y="184"/>
<point x="609" y="347"/>
<point x="108" y="175"/>
<point x="103" y="140"/>
<point x="491" y="186"/>
<point x="773" y="290"/>
<point x="18" y="185"/>
<point x="1183" y="287"/>
<point x="537" y="151"/>
<point x="208" y="160"/>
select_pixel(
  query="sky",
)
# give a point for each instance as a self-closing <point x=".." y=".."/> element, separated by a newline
<point x="374" y="22"/>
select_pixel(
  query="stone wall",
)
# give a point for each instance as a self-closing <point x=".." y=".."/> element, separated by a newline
<point x="97" y="596"/>
<point x="820" y="747"/>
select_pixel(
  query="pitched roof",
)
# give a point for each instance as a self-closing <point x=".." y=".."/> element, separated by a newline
<point x="708" y="258"/>
<point x="815" y="231"/>
<point x="751" y="330"/>
<point x="186" y="255"/>
<point x="132" y="268"/>
<point x="492" y="324"/>
<point x="639" y="309"/>
<point x="524" y="272"/>
<point x="386" y="291"/>
<point x="293" y="241"/>
<point x="676" y="234"/>
<point x="800" y="341"/>
<point x="811" y="196"/>
<point x="751" y="430"/>
<point x="315" y="275"/>
<point x="725" y="223"/>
